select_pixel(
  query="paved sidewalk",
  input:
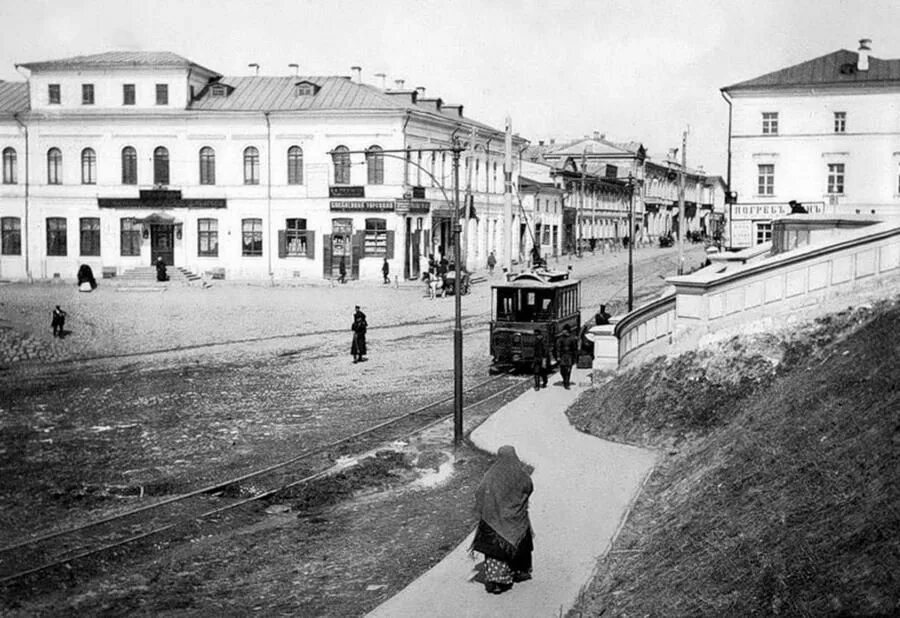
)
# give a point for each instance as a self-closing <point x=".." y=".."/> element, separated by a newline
<point x="583" y="487"/>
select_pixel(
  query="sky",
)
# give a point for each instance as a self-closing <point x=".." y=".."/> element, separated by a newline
<point x="635" y="70"/>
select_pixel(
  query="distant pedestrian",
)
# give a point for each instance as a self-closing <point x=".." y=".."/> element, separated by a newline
<point x="566" y="352"/>
<point x="540" y="363"/>
<point x="386" y="271"/>
<point x="58" y="322"/>
<point x="359" y="327"/>
<point x="504" y="533"/>
<point x="161" y="269"/>
<point x="602" y="316"/>
<point x="342" y="269"/>
<point x="491" y="262"/>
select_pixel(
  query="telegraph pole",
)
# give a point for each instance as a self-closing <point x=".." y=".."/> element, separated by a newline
<point x="457" y="328"/>
<point x="681" y="221"/>
<point x="578" y="221"/>
<point x="507" y="199"/>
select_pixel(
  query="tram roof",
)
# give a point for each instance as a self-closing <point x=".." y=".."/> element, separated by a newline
<point x="537" y="279"/>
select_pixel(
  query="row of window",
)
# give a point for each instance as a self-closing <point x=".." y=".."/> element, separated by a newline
<point x="834" y="185"/>
<point x="294" y="241"/>
<point x="54" y="94"/>
<point x="770" y="123"/>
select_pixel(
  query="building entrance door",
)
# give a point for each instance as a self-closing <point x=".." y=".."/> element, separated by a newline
<point x="162" y="243"/>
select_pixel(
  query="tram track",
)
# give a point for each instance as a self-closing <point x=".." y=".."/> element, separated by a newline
<point x="21" y="563"/>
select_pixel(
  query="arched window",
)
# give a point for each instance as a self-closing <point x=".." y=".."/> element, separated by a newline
<point x="129" y="166"/>
<point x="295" y="165"/>
<point x="88" y="167"/>
<point x="251" y="165"/>
<point x="161" y="166"/>
<point x="9" y="166"/>
<point x="54" y="166"/>
<point x="341" y="159"/>
<point x="207" y="166"/>
<point x="375" y="165"/>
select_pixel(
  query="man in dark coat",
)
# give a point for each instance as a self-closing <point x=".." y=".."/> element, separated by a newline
<point x="359" y="326"/>
<point x="386" y="271"/>
<point x="58" y="322"/>
<point x="540" y="364"/>
<point x="161" y="269"/>
<point x="342" y="269"/>
<point x="566" y="352"/>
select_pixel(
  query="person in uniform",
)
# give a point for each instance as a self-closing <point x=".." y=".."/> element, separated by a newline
<point x="566" y="352"/>
<point x="359" y="326"/>
<point x="540" y="364"/>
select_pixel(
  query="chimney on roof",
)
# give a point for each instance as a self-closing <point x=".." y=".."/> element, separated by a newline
<point x="357" y="74"/>
<point x="540" y="142"/>
<point x="420" y="91"/>
<point x="296" y="68"/>
<point x="254" y="65"/>
<point x="382" y="76"/>
<point x="398" y="83"/>
<point x="862" y="63"/>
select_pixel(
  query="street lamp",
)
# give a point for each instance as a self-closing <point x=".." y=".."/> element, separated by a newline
<point x="456" y="149"/>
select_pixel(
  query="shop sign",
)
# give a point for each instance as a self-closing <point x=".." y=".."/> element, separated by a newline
<point x="741" y="234"/>
<point x="362" y="205"/>
<point x="414" y="206"/>
<point x="418" y="192"/>
<point x="346" y="191"/>
<point x="768" y="211"/>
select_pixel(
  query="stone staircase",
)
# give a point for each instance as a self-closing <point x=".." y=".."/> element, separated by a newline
<point x="145" y="277"/>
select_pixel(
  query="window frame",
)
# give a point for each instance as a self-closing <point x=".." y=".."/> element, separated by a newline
<point x="54" y="166"/>
<point x="89" y="236"/>
<point x="54" y="94"/>
<point x="88" y="166"/>
<point x="208" y="231"/>
<point x="129" y="165"/>
<point x="296" y="241"/>
<point x="129" y="94"/>
<point x="251" y="165"/>
<point x="10" y="236"/>
<point x="87" y="94"/>
<point x="375" y="237"/>
<point x="340" y="159"/>
<point x="57" y="236"/>
<point x="161" y="166"/>
<point x="763" y="232"/>
<point x="130" y="237"/>
<point x="295" y="165"/>
<point x="840" y="122"/>
<point x="375" y="165"/>
<point x="255" y="236"/>
<point x="770" y="123"/>
<point x="836" y="179"/>
<point x="162" y="94"/>
<point x="207" y="160"/>
<point x="765" y="179"/>
<point x="10" y="166"/>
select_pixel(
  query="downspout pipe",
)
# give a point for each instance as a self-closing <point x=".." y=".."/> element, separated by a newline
<point x="26" y="239"/>
<point x="269" y="192"/>
<point x="728" y="169"/>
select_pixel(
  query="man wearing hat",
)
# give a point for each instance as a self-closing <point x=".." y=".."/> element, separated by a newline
<point x="566" y="352"/>
<point x="359" y="326"/>
<point x="541" y="360"/>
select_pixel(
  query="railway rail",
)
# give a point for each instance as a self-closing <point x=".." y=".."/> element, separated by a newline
<point x="22" y="562"/>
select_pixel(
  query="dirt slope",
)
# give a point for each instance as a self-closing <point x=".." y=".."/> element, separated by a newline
<point x="779" y="493"/>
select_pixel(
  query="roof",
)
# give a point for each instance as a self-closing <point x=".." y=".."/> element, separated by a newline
<point x="13" y="97"/>
<point x="114" y="59"/>
<point x="836" y="68"/>
<point x="590" y="147"/>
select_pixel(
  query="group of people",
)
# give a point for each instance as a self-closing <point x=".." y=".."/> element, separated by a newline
<point x="566" y="349"/>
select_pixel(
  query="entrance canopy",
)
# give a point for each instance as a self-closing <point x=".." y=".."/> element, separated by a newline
<point x="158" y="219"/>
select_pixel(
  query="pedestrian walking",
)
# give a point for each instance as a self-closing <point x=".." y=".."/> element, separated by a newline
<point x="504" y="532"/>
<point x="161" y="269"/>
<point x="566" y="352"/>
<point x="491" y="262"/>
<point x="359" y="327"/>
<point x="58" y="321"/>
<point x="386" y="271"/>
<point x="342" y="269"/>
<point x="540" y="363"/>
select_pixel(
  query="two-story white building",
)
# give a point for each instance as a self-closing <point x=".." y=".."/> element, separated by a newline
<point x="824" y="133"/>
<point x="117" y="159"/>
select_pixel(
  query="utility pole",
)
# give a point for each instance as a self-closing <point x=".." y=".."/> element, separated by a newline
<point x="457" y="329"/>
<point x="578" y="222"/>
<point x="681" y="222"/>
<point x="507" y="199"/>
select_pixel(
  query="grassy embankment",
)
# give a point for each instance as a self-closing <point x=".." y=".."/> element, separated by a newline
<point x="777" y="492"/>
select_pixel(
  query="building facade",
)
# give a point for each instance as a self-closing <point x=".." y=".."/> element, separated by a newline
<point x="824" y="133"/>
<point x="118" y="159"/>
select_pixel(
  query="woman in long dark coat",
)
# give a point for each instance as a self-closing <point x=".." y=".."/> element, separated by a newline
<point x="504" y="529"/>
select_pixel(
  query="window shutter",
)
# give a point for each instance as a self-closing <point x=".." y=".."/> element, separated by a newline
<point x="390" y="244"/>
<point x="326" y="256"/>
<point x="311" y="245"/>
<point x="356" y="253"/>
<point x="282" y="244"/>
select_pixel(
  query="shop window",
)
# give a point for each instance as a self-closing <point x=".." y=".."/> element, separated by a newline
<point x="295" y="240"/>
<point x="54" y="166"/>
<point x="130" y="237"/>
<point x="10" y="171"/>
<point x="129" y="166"/>
<point x="295" y="165"/>
<point x="208" y="237"/>
<point x="89" y="228"/>
<point x="11" y="236"/>
<point x="376" y="239"/>
<point x="207" y="166"/>
<point x="56" y="236"/>
<point x="251" y="237"/>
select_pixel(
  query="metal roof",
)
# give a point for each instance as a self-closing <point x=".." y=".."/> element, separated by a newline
<point x="13" y="97"/>
<point x="836" y="68"/>
<point x="162" y="59"/>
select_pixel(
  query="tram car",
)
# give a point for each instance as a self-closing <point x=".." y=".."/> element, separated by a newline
<point x="529" y="301"/>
